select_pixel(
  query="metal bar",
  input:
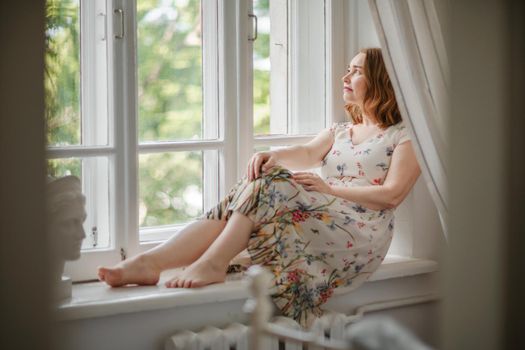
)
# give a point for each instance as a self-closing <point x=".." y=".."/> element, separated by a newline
<point x="255" y="30"/>
<point x="120" y="12"/>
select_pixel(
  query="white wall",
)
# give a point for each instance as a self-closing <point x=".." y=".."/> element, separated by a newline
<point x="418" y="229"/>
<point x="359" y="28"/>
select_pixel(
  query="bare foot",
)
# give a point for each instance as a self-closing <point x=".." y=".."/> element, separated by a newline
<point x="137" y="270"/>
<point x="198" y="274"/>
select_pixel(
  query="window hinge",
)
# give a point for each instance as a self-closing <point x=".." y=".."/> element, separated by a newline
<point x="122" y="254"/>
<point x="102" y="17"/>
<point x="94" y="236"/>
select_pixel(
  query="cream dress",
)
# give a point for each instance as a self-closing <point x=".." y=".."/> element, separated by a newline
<point x="313" y="242"/>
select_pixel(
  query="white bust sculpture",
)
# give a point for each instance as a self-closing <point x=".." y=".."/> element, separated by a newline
<point x="66" y="215"/>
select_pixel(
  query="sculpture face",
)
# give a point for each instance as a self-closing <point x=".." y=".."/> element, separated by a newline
<point x="67" y="227"/>
<point x="66" y="216"/>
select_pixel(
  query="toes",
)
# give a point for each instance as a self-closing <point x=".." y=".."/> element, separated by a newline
<point x="197" y="284"/>
<point x="187" y="284"/>
<point x="101" y="273"/>
<point x="171" y="283"/>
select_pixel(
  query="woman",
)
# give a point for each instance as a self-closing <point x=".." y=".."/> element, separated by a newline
<point x="313" y="233"/>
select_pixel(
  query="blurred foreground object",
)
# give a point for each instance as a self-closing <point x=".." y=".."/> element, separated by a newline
<point x="66" y="215"/>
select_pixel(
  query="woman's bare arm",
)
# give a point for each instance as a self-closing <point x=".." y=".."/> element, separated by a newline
<point x="306" y="156"/>
<point x="401" y="177"/>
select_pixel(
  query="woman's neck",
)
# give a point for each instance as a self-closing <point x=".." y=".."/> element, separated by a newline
<point x="369" y="121"/>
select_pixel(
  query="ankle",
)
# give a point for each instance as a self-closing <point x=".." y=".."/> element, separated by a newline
<point x="217" y="264"/>
<point x="149" y="261"/>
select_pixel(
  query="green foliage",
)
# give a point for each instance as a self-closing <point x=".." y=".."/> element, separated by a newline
<point x="62" y="81"/>
<point x="168" y="195"/>
<point x="169" y="70"/>
<point x="169" y="56"/>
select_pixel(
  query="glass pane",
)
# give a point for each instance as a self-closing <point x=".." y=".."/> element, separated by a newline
<point x="261" y="69"/>
<point x="170" y="187"/>
<point x="94" y="175"/>
<point x="169" y="70"/>
<point x="62" y="72"/>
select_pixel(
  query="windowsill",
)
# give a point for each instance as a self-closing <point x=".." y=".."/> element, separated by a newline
<point x="96" y="299"/>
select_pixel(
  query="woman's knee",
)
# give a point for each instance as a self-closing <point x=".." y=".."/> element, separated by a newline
<point x="274" y="173"/>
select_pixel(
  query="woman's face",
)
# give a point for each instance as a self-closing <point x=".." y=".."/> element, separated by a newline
<point x="354" y="81"/>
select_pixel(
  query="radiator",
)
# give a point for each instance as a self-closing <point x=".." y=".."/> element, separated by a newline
<point x="331" y="331"/>
<point x="236" y="336"/>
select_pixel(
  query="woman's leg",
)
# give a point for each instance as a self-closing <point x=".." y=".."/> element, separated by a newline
<point x="212" y="265"/>
<point x="180" y="250"/>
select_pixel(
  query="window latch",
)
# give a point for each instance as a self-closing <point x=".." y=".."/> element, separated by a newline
<point x="255" y="29"/>
<point x="94" y="236"/>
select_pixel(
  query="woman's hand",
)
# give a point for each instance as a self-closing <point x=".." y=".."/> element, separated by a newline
<point x="261" y="161"/>
<point x="312" y="182"/>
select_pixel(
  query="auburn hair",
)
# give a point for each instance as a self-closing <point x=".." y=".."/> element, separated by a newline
<point x="380" y="100"/>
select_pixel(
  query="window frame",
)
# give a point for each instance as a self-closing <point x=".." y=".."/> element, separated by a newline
<point x="235" y="142"/>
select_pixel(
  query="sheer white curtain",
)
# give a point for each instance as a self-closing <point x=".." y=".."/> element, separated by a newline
<point x="415" y="56"/>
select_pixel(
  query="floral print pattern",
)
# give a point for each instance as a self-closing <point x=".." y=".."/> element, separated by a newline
<point x="313" y="242"/>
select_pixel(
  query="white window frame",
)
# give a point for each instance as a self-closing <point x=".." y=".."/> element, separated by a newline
<point x="293" y="96"/>
<point x="232" y="108"/>
<point x="122" y="149"/>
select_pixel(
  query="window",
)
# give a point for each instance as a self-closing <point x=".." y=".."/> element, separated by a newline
<point x="157" y="105"/>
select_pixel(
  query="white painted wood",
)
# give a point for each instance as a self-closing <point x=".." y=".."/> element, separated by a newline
<point x="95" y="299"/>
<point x="335" y="61"/>
<point x="228" y="112"/>
<point x="94" y="73"/>
<point x="125" y="102"/>
<point x="85" y="267"/>
<point x="243" y="48"/>
<point x="210" y="76"/>
<point x="279" y="66"/>
<point x="307" y="67"/>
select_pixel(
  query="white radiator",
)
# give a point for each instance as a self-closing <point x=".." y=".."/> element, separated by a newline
<point x="331" y="331"/>
<point x="236" y="335"/>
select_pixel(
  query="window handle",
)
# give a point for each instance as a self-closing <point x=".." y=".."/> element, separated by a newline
<point x="255" y="30"/>
<point x="120" y="12"/>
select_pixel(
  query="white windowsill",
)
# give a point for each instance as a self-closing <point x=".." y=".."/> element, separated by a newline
<point x="96" y="299"/>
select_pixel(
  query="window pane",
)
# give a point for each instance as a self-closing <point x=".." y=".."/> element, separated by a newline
<point x="169" y="70"/>
<point x="94" y="175"/>
<point x="76" y="45"/>
<point x="289" y="67"/>
<point x="62" y="72"/>
<point x="171" y="188"/>
<point x="261" y="69"/>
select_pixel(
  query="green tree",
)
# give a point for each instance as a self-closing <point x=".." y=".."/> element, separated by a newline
<point x="169" y="55"/>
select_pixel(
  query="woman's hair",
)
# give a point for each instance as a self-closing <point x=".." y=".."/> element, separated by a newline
<point x="379" y="99"/>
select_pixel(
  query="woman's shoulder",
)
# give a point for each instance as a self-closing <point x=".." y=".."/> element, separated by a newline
<point x="399" y="132"/>
<point x="340" y="125"/>
<point x="395" y="128"/>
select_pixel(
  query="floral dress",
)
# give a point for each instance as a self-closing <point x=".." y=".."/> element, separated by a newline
<point x="314" y="242"/>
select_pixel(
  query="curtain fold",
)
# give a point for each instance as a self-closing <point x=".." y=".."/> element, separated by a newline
<point x="415" y="56"/>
